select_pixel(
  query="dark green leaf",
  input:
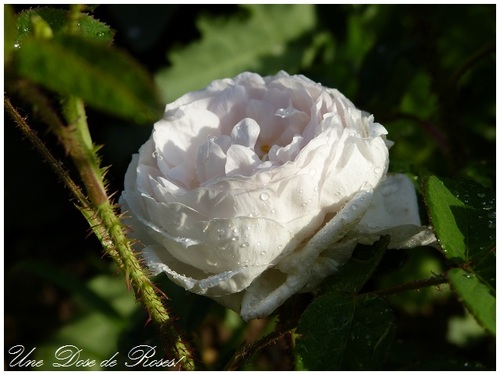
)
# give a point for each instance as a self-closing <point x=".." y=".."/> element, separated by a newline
<point x="57" y="20"/>
<point x="99" y="74"/>
<point x="477" y="296"/>
<point x="9" y="36"/>
<point x="352" y="276"/>
<point x="342" y="332"/>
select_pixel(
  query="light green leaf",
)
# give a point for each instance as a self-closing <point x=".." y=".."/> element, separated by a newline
<point x="463" y="216"/>
<point x="102" y="76"/>
<point x="477" y="296"/>
<point x="9" y="37"/>
<point x="342" y="332"/>
<point x="94" y="333"/>
<point x="267" y="41"/>
<point x="57" y="20"/>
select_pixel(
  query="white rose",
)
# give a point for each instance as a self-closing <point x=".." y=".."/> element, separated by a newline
<point x="256" y="188"/>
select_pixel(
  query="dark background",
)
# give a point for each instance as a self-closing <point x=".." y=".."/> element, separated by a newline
<point x="447" y="129"/>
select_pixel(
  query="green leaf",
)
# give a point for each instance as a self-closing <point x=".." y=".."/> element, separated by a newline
<point x="341" y="332"/>
<point x="463" y="216"/>
<point x="94" y="333"/>
<point x="9" y="37"/>
<point x="101" y="75"/>
<point x="359" y="328"/>
<point x="57" y="20"/>
<point x="477" y="296"/>
<point x="265" y="42"/>
<point x="353" y="275"/>
<point x="75" y="286"/>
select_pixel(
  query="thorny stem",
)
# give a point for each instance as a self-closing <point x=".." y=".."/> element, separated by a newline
<point x="412" y="285"/>
<point x="51" y="118"/>
<point x="247" y="351"/>
<point x="78" y="143"/>
<point x="100" y="212"/>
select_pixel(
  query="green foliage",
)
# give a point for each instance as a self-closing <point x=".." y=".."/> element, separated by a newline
<point x="477" y="296"/>
<point x="463" y="216"/>
<point x="360" y="327"/>
<point x="342" y="332"/>
<point x="96" y="331"/>
<point x="10" y="31"/>
<point x="266" y="40"/>
<point x="57" y="20"/>
<point x="424" y="76"/>
<point x="103" y="77"/>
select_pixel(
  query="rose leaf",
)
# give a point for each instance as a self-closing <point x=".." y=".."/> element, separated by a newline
<point x="101" y="75"/>
<point x="477" y="296"/>
<point x="57" y="20"/>
<point x="463" y="214"/>
<point x="343" y="332"/>
<point x="266" y="39"/>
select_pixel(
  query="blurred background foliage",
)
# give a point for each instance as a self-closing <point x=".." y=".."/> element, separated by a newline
<point x="427" y="73"/>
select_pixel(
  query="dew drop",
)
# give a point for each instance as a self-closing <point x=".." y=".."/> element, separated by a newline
<point x="17" y="45"/>
<point x="234" y="239"/>
<point x="264" y="196"/>
<point x="100" y="34"/>
<point x="236" y="230"/>
<point x="273" y="211"/>
<point x="263" y="252"/>
<point x="244" y="244"/>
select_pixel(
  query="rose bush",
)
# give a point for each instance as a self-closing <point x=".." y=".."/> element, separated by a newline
<point x="256" y="188"/>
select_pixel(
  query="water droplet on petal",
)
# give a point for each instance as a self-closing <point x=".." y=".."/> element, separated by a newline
<point x="264" y="196"/>
<point x="236" y="230"/>
<point x="244" y="244"/>
<point x="263" y="252"/>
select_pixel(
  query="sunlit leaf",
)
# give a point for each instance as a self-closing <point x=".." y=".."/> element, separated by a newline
<point x="99" y="74"/>
<point x="476" y="296"/>
<point x="463" y="216"/>
<point x="9" y="36"/>
<point x="57" y="20"/>
<point x="265" y="42"/>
